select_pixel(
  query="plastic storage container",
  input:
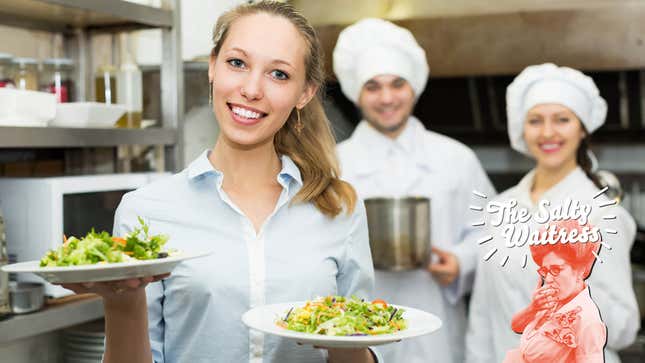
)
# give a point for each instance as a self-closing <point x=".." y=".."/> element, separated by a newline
<point x="87" y="114"/>
<point x="26" y="108"/>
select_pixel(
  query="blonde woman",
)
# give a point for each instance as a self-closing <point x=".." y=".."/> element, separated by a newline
<point x="266" y="199"/>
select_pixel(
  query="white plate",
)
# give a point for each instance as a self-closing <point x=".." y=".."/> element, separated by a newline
<point x="263" y="318"/>
<point x="102" y="272"/>
<point x="93" y="341"/>
<point x="82" y="354"/>
<point x="74" y="359"/>
<point x="85" y="349"/>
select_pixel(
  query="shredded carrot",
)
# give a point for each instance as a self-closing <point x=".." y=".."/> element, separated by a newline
<point x="119" y="240"/>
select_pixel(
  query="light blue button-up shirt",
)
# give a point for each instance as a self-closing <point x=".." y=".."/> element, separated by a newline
<point x="299" y="253"/>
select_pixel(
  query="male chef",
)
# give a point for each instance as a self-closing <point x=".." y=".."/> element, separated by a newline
<point x="383" y="70"/>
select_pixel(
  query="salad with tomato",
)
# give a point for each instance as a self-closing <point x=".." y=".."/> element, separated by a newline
<point x="341" y="316"/>
<point x="101" y="247"/>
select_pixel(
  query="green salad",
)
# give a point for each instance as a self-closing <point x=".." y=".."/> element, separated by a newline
<point x="101" y="247"/>
<point x="338" y="315"/>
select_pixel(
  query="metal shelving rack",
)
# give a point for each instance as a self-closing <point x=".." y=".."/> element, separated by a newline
<point x="78" y="20"/>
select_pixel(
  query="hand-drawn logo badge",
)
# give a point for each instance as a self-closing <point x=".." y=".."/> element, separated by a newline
<point x="561" y="322"/>
<point x="516" y="224"/>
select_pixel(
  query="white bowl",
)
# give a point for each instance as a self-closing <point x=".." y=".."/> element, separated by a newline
<point x="87" y="114"/>
<point x="26" y="108"/>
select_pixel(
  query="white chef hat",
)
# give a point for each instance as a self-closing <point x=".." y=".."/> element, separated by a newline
<point x="548" y="83"/>
<point x="373" y="47"/>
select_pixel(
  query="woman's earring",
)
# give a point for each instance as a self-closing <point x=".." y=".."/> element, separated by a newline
<point x="210" y="92"/>
<point x="299" y="125"/>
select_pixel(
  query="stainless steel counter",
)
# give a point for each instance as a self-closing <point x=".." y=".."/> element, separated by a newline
<point x="62" y="314"/>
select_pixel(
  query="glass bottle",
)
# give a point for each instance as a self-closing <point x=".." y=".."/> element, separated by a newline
<point x="26" y="73"/>
<point x="6" y="70"/>
<point x="105" y="84"/>
<point x="57" y="78"/>
<point x="129" y="86"/>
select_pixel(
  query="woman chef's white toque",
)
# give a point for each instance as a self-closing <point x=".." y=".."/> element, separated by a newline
<point x="373" y="47"/>
<point x="548" y="83"/>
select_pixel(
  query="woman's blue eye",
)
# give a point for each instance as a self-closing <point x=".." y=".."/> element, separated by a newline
<point x="279" y="75"/>
<point x="533" y="121"/>
<point x="563" y="119"/>
<point x="237" y="63"/>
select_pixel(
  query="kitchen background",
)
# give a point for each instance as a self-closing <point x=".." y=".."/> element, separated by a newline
<point x="474" y="49"/>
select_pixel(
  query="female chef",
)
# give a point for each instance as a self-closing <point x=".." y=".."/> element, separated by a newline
<point x="551" y="113"/>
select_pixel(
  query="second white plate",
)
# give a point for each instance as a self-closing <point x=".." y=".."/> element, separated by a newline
<point x="102" y="272"/>
<point x="263" y="318"/>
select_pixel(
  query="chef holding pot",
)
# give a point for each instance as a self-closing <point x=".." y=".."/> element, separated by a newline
<point x="383" y="70"/>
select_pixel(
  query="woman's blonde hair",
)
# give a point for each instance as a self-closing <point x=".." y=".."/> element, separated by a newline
<point x="313" y="148"/>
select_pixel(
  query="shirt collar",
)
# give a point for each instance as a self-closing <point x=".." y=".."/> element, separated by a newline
<point x="408" y="138"/>
<point x="201" y="166"/>
<point x="378" y="145"/>
<point x="289" y="172"/>
<point x="560" y="190"/>
<point x="371" y="138"/>
<point x="374" y="138"/>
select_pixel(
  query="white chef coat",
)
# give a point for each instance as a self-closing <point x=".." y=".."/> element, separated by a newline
<point x="422" y="163"/>
<point x="501" y="292"/>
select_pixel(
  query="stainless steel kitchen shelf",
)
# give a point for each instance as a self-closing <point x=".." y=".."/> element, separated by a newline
<point x="80" y="19"/>
<point x="50" y="319"/>
<point x="64" y="15"/>
<point x="54" y="137"/>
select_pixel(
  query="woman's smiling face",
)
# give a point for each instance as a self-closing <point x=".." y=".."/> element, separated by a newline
<point x="258" y="77"/>
<point x="553" y="133"/>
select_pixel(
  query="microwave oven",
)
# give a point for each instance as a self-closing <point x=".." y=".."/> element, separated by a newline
<point x="38" y="211"/>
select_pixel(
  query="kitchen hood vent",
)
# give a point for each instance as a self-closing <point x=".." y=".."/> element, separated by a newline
<point x="473" y="109"/>
<point x="474" y="37"/>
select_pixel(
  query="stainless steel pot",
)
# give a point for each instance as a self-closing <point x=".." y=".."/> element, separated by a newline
<point x="399" y="230"/>
<point x="27" y="297"/>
